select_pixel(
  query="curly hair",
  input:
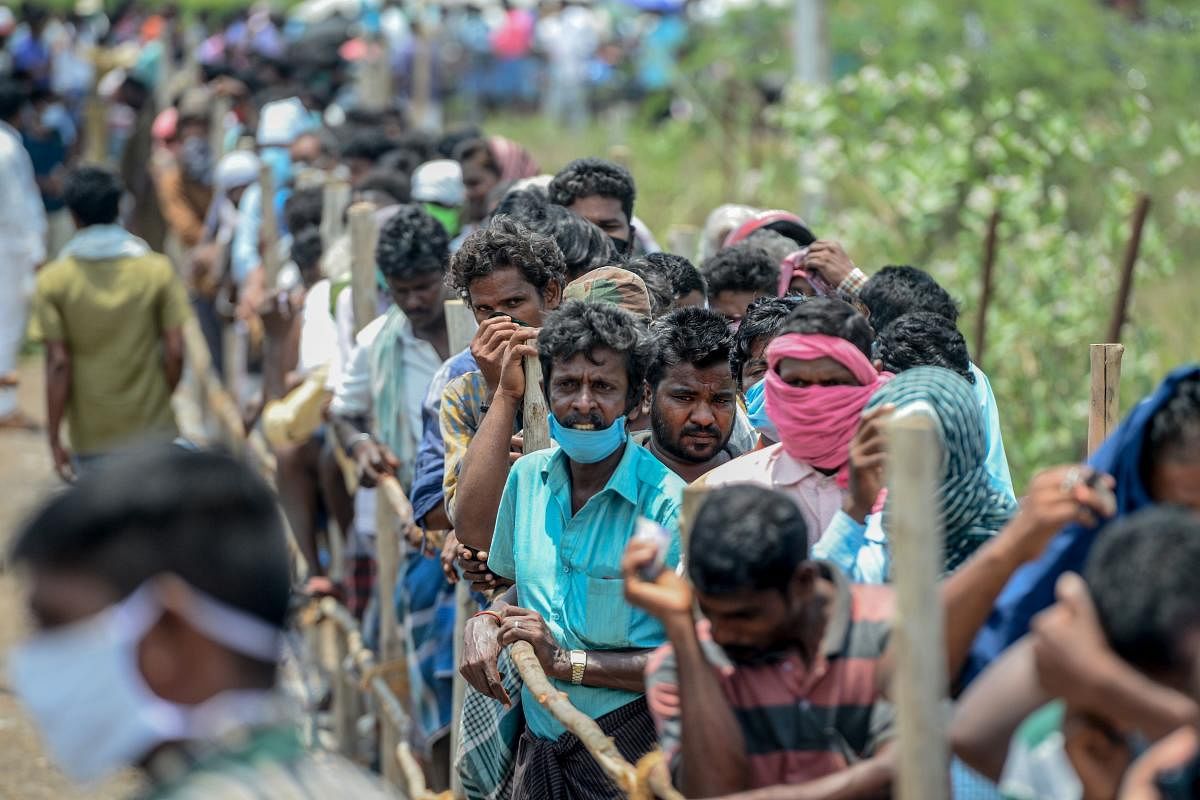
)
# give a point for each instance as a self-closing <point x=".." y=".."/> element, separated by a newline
<point x="740" y="268"/>
<point x="831" y="317"/>
<point x="303" y="209"/>
<point x="895" y="291"/>
<point x="591" y="177"/>
<point x="411" y="243"/>
<point x="690" y="335"/>
<point x="924" y="339"/>
<point x="1174" y="431"/>
<point x="579" y="326"/>
<point x="764" y="319"/>
<point x="681" y="272"/>
<point x="505" y="243"/>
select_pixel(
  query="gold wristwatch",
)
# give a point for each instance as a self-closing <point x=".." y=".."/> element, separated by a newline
<point x="578" y="666"/>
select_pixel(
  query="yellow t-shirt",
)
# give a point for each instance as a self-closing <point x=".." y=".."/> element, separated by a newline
<point x="111" y="315"/>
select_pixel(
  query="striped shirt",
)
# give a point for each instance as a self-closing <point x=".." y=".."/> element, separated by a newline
<point x="800" y="723"/>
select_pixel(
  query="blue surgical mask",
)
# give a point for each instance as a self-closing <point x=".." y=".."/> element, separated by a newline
<point x="588" y="447"/>
<point x="756" y="410"/>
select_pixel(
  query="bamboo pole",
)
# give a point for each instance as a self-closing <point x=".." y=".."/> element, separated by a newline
<point x="96" y="131"/>
<point x="218" y="114"/>
<point x="535" y="413"/>
<point x="1121" y="302"/>
<point x="364" y="234"/>
<point x="269" y="235"/>
<point x="916" y="538"/>
<point x="985" y="294"/>
<point x="460" y="330"/>
<point x="1106" y="389"/>
<point x="335" y="198"/>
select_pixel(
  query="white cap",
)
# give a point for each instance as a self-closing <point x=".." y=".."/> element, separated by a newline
<point x="239" y="168"/>
<point x="439" y="182"/>
<point x="282" y="122"/>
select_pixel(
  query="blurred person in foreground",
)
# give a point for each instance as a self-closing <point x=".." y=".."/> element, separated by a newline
<point x="159" y="593"/>
<point x="111" y="313"/>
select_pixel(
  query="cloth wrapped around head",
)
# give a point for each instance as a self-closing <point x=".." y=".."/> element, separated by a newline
<point x="972" y="506"/>
<point x="514" y="161"/>
<point x="817" y="423"/>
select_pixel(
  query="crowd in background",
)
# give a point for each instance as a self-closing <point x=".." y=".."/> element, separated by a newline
<point x="756" y="653"/>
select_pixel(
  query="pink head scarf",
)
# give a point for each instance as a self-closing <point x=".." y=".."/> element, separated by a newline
<point x="793" y="267"/>
<point x="514" y="161"/>
<point x="816" y="423"/>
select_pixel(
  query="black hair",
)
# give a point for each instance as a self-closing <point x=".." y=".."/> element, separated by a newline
<point x="303" y="208"/>
<point x="658" y="286"/>
<point x="895" y="291"/>
<point x="307" y="248"/>
<point x="1144" y="577"/>
<point x="777" y="246"/>
<point x="202" y="515"/>
<point x="402" y="160"/>
<point x="450" y="140"/>
<point x="580" y="326"/>
<point x="368" y="144"/>
<point x="690" y="335"/>
<point x="591" y="177"/>
<point x="12" y="99"/>
<point x="505" y="243"/>
<point x="764" y="319"/>
<point x="528" y="206"/>
<point x="584" y="246"/>
<point x="93" y="194"/>
<point x="746" y="537"/>
<point x="411" y="243"/>
<point x="392" y="183"/>
<point x="831" y="317"/>
<point x="1173" y="433"/>
<point x="924" y="339"/>
<point x="740" y="268"/>
<point x="681" y="272"/>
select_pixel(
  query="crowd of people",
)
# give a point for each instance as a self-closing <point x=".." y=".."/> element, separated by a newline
<point x="750" y="642"/>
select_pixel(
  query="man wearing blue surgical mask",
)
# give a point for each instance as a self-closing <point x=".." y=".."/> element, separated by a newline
<point x="159" y="588"/>
<point x="748" y="357"/>
<point x="564" y="519"/>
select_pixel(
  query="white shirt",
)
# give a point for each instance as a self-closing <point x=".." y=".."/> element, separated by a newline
<point x="23" y="223"/>
<point x="318" y="332"/>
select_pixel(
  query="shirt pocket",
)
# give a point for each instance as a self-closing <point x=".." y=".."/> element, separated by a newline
<point x="606" y="618"/>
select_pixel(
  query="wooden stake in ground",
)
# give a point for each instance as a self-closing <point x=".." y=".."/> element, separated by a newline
<point x="269" y="236"/>
<point x="95" y="131"/>
<point x="1106" y="390"/>
<point x="535" y="413"/>
<point x="1121" y="303"/>
<point x="364" y="234"/>
<point x="218" y="112"/>
<point x="985" y="294"/>
<point x="335" y="197"/>
<point x="916" y="537"/>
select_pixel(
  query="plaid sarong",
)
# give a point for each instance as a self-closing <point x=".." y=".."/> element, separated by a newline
<point x="487" y="747"/>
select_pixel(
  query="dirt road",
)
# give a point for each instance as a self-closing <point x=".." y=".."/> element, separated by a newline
<point x="26" y="477"/>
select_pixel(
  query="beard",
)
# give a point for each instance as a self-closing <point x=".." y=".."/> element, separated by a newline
<point x="671" y="443"/>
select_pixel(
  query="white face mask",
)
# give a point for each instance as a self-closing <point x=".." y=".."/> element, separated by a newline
<point x="84" y="689"/>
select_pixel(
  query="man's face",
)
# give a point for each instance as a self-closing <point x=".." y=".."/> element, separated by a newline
<point x="823" y="371"/>
<point x="506" y="290"/>
<point x="692" y="412"/>
<point x="478" y="180"/>
<point x="733" y="304"/>
<point x="1176" y="481"/>
<point x="693" y="298"/>
<point x="750" y="626"/>
<point x="306" y="153"/>
<point x="606" y="214"/>
<point x="420" y="298"/>
<point x="755" y="368"/>
<point x="589" y="390"/>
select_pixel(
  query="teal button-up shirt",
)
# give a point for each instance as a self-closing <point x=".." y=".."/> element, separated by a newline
<point x="568" y="568"/>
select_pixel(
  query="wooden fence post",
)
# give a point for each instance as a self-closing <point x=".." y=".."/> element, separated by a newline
<point x="335" y="197"/>
<point x="218" y="113"/>
<point x="95" y="130"/>
<point x="364" y="234"/>
<point x="460" y="329"/>
<point x="535" y="412"/>
<point x="916" y="537"/>
<point x="1106" y="390"/>
<point x="1121" y="303"/>
<point x="269" y="235"/>
<point x="985" y="293"/>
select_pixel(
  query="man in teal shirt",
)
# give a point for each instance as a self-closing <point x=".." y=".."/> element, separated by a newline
<point x="564" y="519"/>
